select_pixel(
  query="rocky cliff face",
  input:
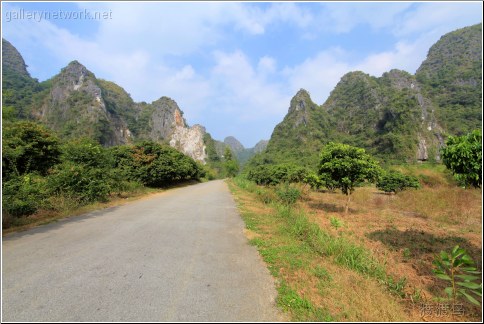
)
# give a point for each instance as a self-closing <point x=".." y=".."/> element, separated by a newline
<point x="300" y="108"/>
<point x="430" y="135"/>
<point x="74" y="107"/>
<point x="167" y="124"/>
<point x="190" y="141"/>
<point x="451" y="77"/>
<point x="165" y="117"/>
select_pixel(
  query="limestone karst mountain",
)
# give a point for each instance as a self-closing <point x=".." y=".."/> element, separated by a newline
<point x="398" y="116"/>
<point x="74" y="103"/>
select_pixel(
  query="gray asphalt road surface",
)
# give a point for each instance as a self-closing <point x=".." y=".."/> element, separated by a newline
<point x="177" y="256"/>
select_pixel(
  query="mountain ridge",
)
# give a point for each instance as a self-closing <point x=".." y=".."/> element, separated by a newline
<point x="74" y="103"/>
<point x="397" y="116"/>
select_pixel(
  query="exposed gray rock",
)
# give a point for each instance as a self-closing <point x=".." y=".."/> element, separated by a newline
<point x="189" y="140"/>
<point x="300" y="105"/>
<point x="422" y="154"/>
<point x="166" y="116"/>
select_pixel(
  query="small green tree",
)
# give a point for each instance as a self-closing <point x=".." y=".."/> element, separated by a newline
<point x="347" y="167"/>
<point x="394" y="181"/>
<point x="458" y="269"/>
<point x="231" y="165"/>
<point x="463" y="156"/>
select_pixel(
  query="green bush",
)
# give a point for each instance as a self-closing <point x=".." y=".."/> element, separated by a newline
<point x="86" y="183"/>
<point x="394" y="181"/>
<point x="320" y="181"/>
<point x="23" y="195"/>
<point x="287" y="194"/>
<point x="313" y="181"/>
<point x="155" y="165"/>
<point x="86" y="152"/>
<point x="28" y="147"/>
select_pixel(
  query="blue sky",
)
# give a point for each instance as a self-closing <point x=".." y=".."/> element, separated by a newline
<point x="232" y="67"/>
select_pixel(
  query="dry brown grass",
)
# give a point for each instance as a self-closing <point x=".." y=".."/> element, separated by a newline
<point x="407" y="230"/>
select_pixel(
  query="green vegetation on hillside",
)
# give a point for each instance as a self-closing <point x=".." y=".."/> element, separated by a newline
<point x="452" y="78"/>
<point x="18" y="86"/>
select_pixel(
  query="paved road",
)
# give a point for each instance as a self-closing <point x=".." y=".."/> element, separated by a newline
<point x="178" y="256"/>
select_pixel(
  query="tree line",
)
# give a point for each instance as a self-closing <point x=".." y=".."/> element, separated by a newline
<point x="345" y="167"/>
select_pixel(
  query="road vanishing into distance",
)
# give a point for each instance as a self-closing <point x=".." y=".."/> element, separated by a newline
<point x="180" y="255"/>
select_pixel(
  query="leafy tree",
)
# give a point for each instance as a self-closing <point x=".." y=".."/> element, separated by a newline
<point x="394" y="181"/>
<point x="28" y="147"/>
<point x="313" y="180"/>
<point x="463" y="156"/>
<point x="347" y="167"/>
<point x="231" y="165"/>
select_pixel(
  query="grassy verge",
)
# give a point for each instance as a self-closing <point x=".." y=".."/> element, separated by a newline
<point x="322" y="277"/>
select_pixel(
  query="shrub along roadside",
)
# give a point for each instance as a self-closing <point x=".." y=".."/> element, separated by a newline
<point x="155" y="165"/>
<point x="41" y="173"/>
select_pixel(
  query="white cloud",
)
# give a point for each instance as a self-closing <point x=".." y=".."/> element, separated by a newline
<point x="244" y="90"/>
<point x="438" y="17"/>
<point x="343" y="17"/>
<point x="404" y="56"/>
<point x="266" y="65"/>
<point x="318" y="74"/>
